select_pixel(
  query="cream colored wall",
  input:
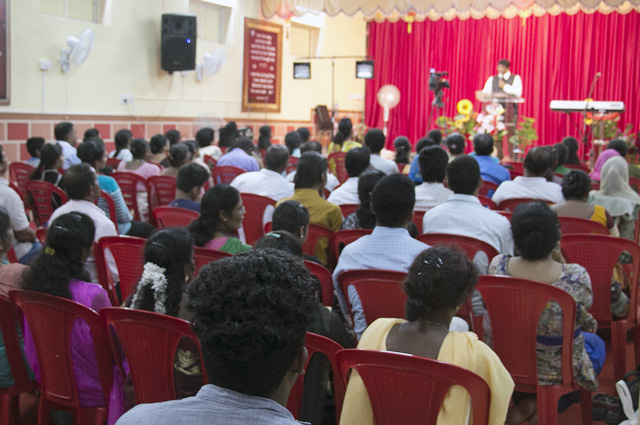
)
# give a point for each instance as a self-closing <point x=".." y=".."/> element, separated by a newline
<point x="126" y="59"/>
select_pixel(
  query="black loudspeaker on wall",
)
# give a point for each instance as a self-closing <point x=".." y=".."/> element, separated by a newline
<point x="178" y="42"/>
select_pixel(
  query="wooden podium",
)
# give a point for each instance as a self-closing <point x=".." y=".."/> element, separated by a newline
<point x="508" y="101"/>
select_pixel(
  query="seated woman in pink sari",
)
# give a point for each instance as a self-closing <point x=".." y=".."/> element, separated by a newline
<point x="59" y="271"/>
<point x="140" y="166"/>
<point x="602" y="158"/>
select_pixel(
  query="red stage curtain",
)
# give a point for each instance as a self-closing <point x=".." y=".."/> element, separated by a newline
<point x="556" y="56"/>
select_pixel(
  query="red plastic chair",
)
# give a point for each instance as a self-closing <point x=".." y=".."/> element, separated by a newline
<point x="223" y="149"/>
<point x="348" y="209"/>
<point x="24" y="196"/>
<point x="599" y="254"/>
<point x="128" y="253"/>
<point x="167" y="217"/>
<point x="595" y="185"/>
<point x="41" y="235"/>
<point x="337" y="167"/>
<point x="211" y="163"/>
<point x="204" y="256"/>
<point x="314" y="233"/>
<point x="517" y="166"/>
<point x="636" y="343"/>
<point x="409" y="390"/>
<point x="506" y="214"/>
<point x="318" y="345"/>
<point x="11" y="256"/>
<point x="514" y="174"/>
<point x="486" y="187"/>
<point x="51" y="320"/>
<point x="634" y="182"/>
<point x="42" y="195"/>
<point x="342" y="238"/>
<point x="19" y="173"/>
<point x="292" y="164"/>
<point x="326" y="281"/>
<point x="224" y="174"/>
<point x="149" y="342"/>
<point x="417" y="219"/>
<point x="162" y="190"/>
<point x="380" y="292"/>
<point x="581" y="166"/>
<point x="128" y="183"/>
<point x="487" y="202"/>
<point x="9" y="396"/>
<point x="511" y="204"/>
<point x="573" y="225"/>
<point x="514" y="307"/>
<point x="111" y="206"/>
<point x="113" y="163"/>
<point x="401" y="167"/>
<point x="255" y="206"/>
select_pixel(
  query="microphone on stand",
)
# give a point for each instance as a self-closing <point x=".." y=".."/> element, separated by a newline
<point x="593" y="85"/>
<point x="585" y="135"/>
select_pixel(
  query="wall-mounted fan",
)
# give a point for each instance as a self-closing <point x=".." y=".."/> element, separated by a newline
<point x="388" y="98"/>
<point x="78" y="50"/>
<point x="211" y="65"/>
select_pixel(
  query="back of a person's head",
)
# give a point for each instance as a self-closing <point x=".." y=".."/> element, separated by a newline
<point x="562" y="151"/>
<point x="62" y="130"/>
<point x="193" y="147"/>
<point x="619" y="146"/>
<point x="304" y="133"/>
<point x="49" y="157"/>
<point x="576" y="185"/>
<point x="463" y="175"/>
<point x="69" y="241"/>
<point x="292" y="141"/>
<point x="122" y="139"/>
<point x="572" y="144"/>
<point x="357" y="160"/>
<point x="402" y="147"/>
<point x="425" y="142"/>
<point x="178" y="154"/>
<point x="483" y="144"/>
<point x="435" y="135"/>
<point x="139" y="149"/>
<point x="250" y="313"/>
<point x="204" y="136"/>
<point x="90" y="151"/>
<point x="191" y="175"/>
<point x="219" y="198"/>
<point x="433" y="162"/>
<point x="264" y="139"/>
<point x="244" y="143"/>
<point x="310" y="170"/>
<point x="6" y="234"/>
<point x="168" y="252"/>
<point x="311" y="147"/>
<point x="345" y="127"/>
<point x="366" y="183"/>
<point x="90" y="133"/>
<point x="535" y="230"/>
<point x="440" y="278"/>
<point x="374" y="139"/>
<point x="538" y="161"/>
<point x="158" y="143"/>
<point x="276" y="158"/>
<point x="34" y="145"/>
<point x="455" y="143"/>
<point x="290" y="216"/>
<point x="78" y="181"/>
<point x="282" y="241"/>
<point x="393" y="199"/>
<point x="173" y="136"/>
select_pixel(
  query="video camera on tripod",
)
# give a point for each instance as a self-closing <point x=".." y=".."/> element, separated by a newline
<point x="437" y="83"/>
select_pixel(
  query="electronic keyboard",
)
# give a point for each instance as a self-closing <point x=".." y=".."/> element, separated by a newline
<point x="581" y="106"/>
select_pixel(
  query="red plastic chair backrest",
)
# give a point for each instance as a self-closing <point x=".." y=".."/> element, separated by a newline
<point x="380" y="292"/>
<point x="149" y="342"/>
<point x="113" y="163"/>
<point x="514" y="306"/>
<point x="487" y="202"/>
<point x="417" y="219"/>
<point x="573" y="225"/>
<point x="211" y="163"/>
<point x="128" y="183"/>
<point x="322" y="346"/>
<point x="255" y="205"/>
<point x="342" y="238"/>
<point x="511" y="204"/>
<point x="51" y="320"/>
<point x="515" y="173"/>
<point x="409" y="390"/>
<point x="401" y="167"/>
<point x="42" y="195"/>
<point x="486" y="187"/>
<point x="203" y="256"/>
<point x="595" y="185"/>
<point x="13" y="353"/>
<point x="336" y="163"/>
<point x="506" y="214"/>
<point x="223" y="149"/>
<point x="326" y="281"/>
<point x="314" y="233"/>
<point x="173" y="217"/>
<point x="128" y="253"/>
<point x="470" y="246"/>
<point x="224" y="174"/>
<point x="292" y="164"/>
<point x="348" y="209"/>
<point x="599" y="254"/>
<point x="162" y="190"/>
<point x="19" y="172"/>
<point x="634" y="182"/>
<point x="111" y="206"/>
<point x="41" y="234"/>
<point x="517" y="166"/>
<point x="22" y="192"/>
<point x="581" y="166"/>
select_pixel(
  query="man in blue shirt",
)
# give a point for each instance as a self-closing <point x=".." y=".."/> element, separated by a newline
<point x="191" y="178"/>
<point x="240" y="155"/>
<point x="489" y="169"/>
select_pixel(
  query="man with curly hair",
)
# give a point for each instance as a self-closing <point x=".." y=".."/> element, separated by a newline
<point x="251" y="313"/>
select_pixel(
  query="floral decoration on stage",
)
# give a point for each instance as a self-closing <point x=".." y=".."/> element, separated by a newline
<point x="491" y="121"/>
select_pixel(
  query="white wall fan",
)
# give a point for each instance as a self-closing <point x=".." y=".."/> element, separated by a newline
<point x="211" y="65"/>
<point x="78" y="50"/>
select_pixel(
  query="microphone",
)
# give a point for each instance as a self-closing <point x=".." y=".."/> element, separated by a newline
<point x="593" y="86"/>
<point x="598" y="74"/>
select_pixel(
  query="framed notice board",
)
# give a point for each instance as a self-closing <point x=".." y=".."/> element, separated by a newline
<point x="262" y="69"/>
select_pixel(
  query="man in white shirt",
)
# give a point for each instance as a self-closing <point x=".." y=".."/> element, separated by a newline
<point x="433" y="162"/>
<point x="204" y="137"/>
<point x="67" y="138"/>
<point x="269" y="181"/>
<point x="533" y="184"/>
<point x="81" y="184"/>
<point x="374" y="139"/>
<point x="504" y="81"/>
<point x="464" y="215"/>
<point x="356" y="162"/>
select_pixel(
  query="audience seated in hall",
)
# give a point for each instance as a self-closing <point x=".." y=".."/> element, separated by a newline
<point x="563" y="152"/>
<point x="179" y="155"/>
<point x="293" y="141"/>
<point x="268" y="182"/>
<point x="433" y="167"/>
<point x="455" y="145"/>
<point x="122" y="140"/>
<point x="402" y="146"/>
<point x="264" y="138"/>
<point x="576" y="186"/>
<point x="489" y="169"/>
<point x="81" y="184"/>
<point x="304" y="134"/>
<point x="343" y="140"/>
<point x="189" y="187"/>
<point x="159" y="146"/>
<point x="67" y="138"/>
<point x="623" y="149"/>
<point x="93" y="152"/>
<point x="374" y="139"/>
<point x="140" y="166"/>
<point x="174" y="138"/>
<point x="604" y="156"/>
<point x="533" y="184"/>
<point x="414" y="168"/>
<point x="252" y="367"/>
<point x="51" y="160"/>
<point x="313" y="146"/>
<point x="58" y="271"/>
<point x="221" y="215"/>
<point x="239" y="155"/>
<point x="572" y="155"/>
<point x="204" y="137"/>
<point x="439" y="281"/>
<point x="293" y="217"/>
<point x="34" y="145"/>
<point x="356" y="161"/>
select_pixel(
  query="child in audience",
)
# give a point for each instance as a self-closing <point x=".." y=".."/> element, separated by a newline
<point x="140" y="166"/>
<point x="34" y="145"/>
<point x="191" y="179"/>
<point x="51" y="160"/>
<point x="122" y="140"/>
